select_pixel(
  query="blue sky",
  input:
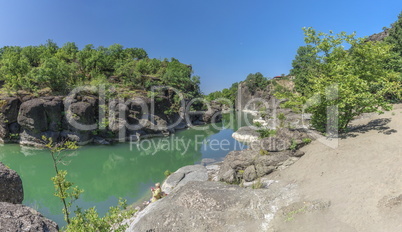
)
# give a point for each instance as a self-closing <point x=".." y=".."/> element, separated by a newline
<point x="223" y="40"/>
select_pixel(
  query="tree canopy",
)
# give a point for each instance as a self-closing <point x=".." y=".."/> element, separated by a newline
<point x="356" y="81"/>
<point x="33" y="68"/>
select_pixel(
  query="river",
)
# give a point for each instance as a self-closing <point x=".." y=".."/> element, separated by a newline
<point x="125" y="170"/>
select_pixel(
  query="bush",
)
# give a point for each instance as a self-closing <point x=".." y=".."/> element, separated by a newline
<point x="266" y="133"/>
<point x="345" y="83"/>
<point x="167" y="173"/>
<point x="89" y="220"/>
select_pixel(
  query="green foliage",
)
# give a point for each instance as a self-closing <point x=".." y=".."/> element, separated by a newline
<point x="229" y="93"/>
<point x="307" y="140"/>
<point x="87" y="220"/>
<point x="256" y="82"/>
<point x="90" y="221"/>
<point x="257" y="124"/>
<point x="293" y="145"/>
<point x="355" y="80"/>
<point x="66" y="192"/>
<point x="282" y="119"/>
<point x="64" y="189"/>
<point x="395" y="36"/>
<point x="167" y="173"/>
<point x="304" y="66"/>
<point x="291" y="215"/>
<point x="263" y="152"/>
<point x="257" y="184"/>
<point x="33" y="68"/>
<point x="266" y="133"/>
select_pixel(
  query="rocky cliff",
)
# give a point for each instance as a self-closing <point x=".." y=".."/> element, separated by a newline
<point x="86" y="119"/>
<point x="13" y="215"/>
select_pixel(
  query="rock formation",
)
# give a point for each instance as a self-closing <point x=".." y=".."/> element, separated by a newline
<point x="86" y="119"/>
<point x="213" y="206"/>
<point x="16" y="217"/>
<point x="10" y="186"/>
<point x="13" y="215"/>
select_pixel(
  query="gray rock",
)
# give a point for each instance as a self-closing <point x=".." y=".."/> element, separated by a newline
<point x="183" y="176"/>
<point x="213" y="206"/>
<point x="250" y="173"/>
<point x="379" y="36"/>
<point x="246" y="134"/>
<point x="9" y="107"/>
<point x="10" y="186"/>
<point x="32" y="115"/>
<point x="16" y="217"/>
<point x="236" y="163"/>
<point x="298" y="153"/>
<point x="282" y="140"/>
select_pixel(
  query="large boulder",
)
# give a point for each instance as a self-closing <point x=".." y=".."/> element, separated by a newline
<point x="10" y="186"/>
<point x="246" y="134"/>
<point x="213" y="206"/>
<point x="32" y="115"/>
<point x="283" y="139"/>
<point x="183" y="176"/>
<point x="9" y="108"/>
<point x="251" y="164"/>
<point x="16" y="217"/>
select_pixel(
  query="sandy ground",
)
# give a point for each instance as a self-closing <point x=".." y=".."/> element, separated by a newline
<point x="358" y="184"/>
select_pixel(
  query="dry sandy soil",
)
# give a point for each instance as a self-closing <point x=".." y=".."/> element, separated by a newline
<point x="354" y="187"/>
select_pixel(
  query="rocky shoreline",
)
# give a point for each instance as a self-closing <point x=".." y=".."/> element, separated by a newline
<point x="87" y="119"/>
<point x="13" y="215"/>
<point x="231" y="195"/>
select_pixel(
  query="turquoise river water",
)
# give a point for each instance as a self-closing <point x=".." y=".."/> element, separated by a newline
<point x="125" y="170"/>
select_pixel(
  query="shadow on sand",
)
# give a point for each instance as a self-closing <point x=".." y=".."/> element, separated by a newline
<point x="379" y="125"/>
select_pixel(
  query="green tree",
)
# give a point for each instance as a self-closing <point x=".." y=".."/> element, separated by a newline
<point x="395" y="35"/>
<point x="52" y="73"/>
<point x="255" y="82"/>
<point x="354" y="80"/>
<point x="304" y="66"/>
<point x="64" y="189"/>
<point x="13" y="68"/>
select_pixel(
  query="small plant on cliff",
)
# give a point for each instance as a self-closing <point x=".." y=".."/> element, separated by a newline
<point x="167" y="173"/>
<point x="266" y="133"/>
<point x="257" y="184"/>
<point x="258" y="124"/>
<point x="282" y="119"/>
<point x="63" y="188"/>
<point x="293" y="145"/>
<point x="264" y="152"/>
<point x="87" y="220"/>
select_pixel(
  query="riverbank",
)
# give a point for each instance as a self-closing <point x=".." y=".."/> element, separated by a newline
<point x="353" y="187"/>
<point x="88" y="118"/>
<point x="360" y="178"/>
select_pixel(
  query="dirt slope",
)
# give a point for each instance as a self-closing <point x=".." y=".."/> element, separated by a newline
<point x="361" y="181"/>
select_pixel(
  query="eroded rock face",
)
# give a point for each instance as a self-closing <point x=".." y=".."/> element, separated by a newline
<point x="251" y="164"/>
<point x="16" y="217"/>
<point x="246" y="134"/>
<point x="284" y="139"/>
<point x="183" y="176"/>
<point x="8" y="117"/>
<point x="26" y="123"/>
<point x="10" y="186"/>
<point x="213" y="206"/>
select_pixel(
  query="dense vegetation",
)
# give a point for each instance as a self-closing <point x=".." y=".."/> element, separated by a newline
<point x="356" y="81"/>
<point x="254" y="82"/>
<point x="229" y="93"/>
<point x="60" y="69"/>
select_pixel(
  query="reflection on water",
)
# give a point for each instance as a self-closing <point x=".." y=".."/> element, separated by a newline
<point x="121" y="170"/>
